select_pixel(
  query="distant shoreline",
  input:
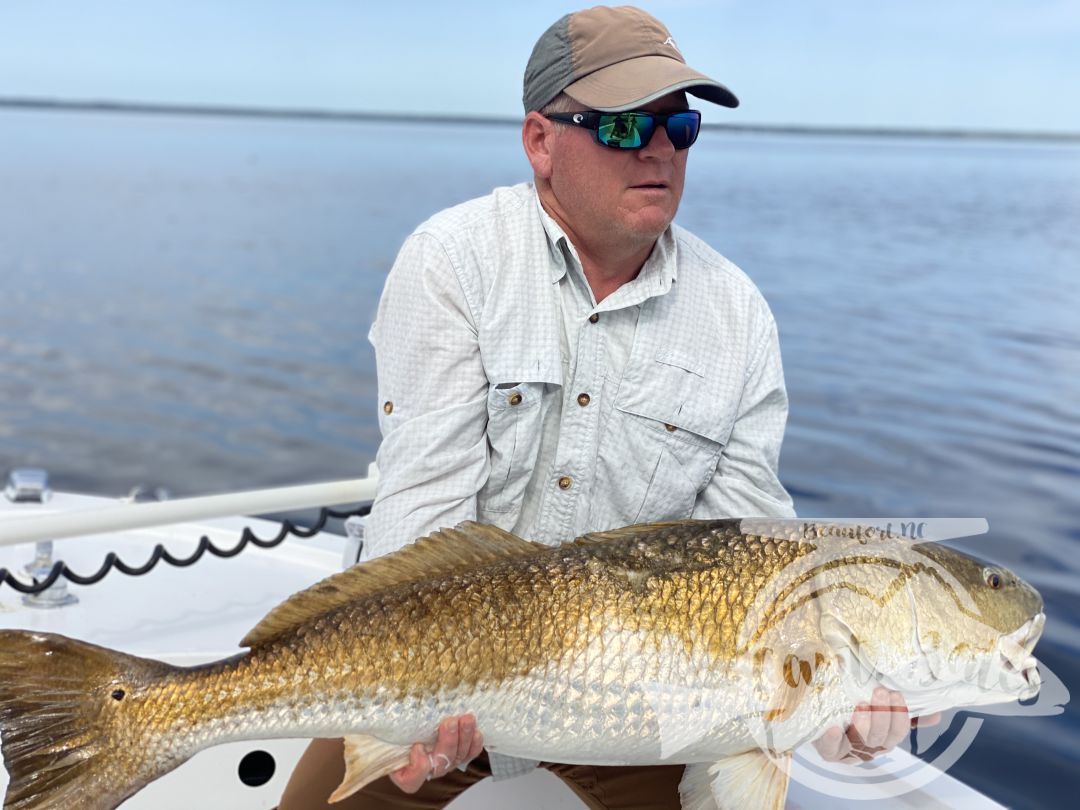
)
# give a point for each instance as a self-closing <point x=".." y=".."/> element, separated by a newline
<point x="228" y="111"/>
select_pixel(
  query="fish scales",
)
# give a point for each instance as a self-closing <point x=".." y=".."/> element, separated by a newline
<point x="683" y="642"/>
<point x="467" y="632"/>
<point x="583" y="625"/>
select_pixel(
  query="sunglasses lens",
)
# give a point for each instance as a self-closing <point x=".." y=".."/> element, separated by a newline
<point x="625" y="130"/>
<point x="633" y="130"/>
<point x="682" y="128"/>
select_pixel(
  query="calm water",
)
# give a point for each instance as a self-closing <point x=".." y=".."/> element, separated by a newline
<point x="185" y="303"/>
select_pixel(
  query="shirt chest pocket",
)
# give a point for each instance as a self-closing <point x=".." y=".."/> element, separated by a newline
<point x="513" y="433"/>
<point x="668" y="428"/>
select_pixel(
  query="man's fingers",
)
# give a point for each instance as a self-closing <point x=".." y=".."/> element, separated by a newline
<point x="476" y="747"/>
<point x="466" y="731"/>
<point x="456" y="743"/>
<point x="880" y="719"/>
<point x="927" y="719"/>
<point x="860" y="724"/>
<point x="833" y="745"/>
<point x="445" y="751"/>
<point x="412" y="776"/>
<point x="878" y="726"/>
<point x="899" y="722"/>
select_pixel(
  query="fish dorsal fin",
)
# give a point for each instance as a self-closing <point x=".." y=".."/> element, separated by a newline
<point x="468" y="545"/>
<point x="638" y="530"/>
<point x="367" y="759"/>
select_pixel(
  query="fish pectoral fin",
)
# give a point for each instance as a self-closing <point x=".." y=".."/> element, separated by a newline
<point x="367" y="759"/>
<point x="695" y="789"/>
<point x="754" y="779"/>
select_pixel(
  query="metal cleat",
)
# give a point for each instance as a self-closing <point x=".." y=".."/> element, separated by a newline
<point x="32" y="486"/>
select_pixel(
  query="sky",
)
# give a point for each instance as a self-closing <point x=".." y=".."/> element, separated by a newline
<point x="971" y="64"/>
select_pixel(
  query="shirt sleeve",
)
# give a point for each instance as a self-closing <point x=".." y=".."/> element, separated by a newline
<point x="433" y="459"/>
<point x="746" y="482"/>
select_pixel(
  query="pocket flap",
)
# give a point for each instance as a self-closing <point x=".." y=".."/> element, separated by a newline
<point x="544" y="366"/>
<point x="683" y="360"/>
<point x="668" y="393"/>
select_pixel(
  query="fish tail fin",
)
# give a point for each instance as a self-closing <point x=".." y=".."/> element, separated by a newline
<point x="73" y="723"/>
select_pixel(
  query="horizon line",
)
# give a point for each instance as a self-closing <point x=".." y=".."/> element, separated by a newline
<point x="306" y="114"/>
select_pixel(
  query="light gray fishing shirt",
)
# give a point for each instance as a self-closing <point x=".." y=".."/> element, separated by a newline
<point x="508" y="395"/>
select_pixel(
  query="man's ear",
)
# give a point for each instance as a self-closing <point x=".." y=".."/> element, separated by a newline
<point x="538" y="136"/>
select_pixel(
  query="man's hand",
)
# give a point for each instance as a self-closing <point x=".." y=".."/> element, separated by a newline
<point x="875" y="728"/>
<point x="458" y="743"/>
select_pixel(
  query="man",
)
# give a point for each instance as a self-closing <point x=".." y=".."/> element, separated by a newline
<point x="558" y="358"/>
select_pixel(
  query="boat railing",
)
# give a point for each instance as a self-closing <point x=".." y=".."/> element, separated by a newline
<point x="130" y="516"/>
<point x="44" y="581"/>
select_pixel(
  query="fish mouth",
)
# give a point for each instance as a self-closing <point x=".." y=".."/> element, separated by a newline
<point x="1020" y="667"/>
<point x="1028" y="670"/>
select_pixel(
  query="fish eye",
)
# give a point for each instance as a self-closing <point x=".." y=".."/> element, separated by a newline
<point x="118" y="694"/>
<point x="993" y="579"/>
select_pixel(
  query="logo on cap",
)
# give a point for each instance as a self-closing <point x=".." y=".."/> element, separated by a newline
<point x="671" y="41"/>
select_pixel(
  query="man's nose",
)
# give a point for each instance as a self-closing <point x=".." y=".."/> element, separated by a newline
<point x="659" y="146"/>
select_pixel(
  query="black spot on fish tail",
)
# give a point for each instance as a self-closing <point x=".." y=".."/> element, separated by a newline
<point x="65" y="744"/>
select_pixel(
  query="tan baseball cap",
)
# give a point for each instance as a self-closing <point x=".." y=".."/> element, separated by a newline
<point x="613" y="59"/>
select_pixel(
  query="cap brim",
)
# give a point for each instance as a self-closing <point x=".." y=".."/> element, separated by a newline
<point x="635" y="82"/>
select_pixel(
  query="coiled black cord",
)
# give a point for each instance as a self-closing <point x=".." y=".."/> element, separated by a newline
<point x="160" y="553"/>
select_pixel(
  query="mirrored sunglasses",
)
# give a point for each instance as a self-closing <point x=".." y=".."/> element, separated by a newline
<point x="634" y="129"/>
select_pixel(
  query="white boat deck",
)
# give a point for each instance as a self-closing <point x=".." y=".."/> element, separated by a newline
<point x="199" y="613"/>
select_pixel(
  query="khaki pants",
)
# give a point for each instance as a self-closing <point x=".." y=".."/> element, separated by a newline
<point x="322" y="767"/>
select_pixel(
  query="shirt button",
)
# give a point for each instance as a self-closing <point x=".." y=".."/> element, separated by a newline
<point x="388" y="407"/>
<point x="565" y="482"/>
<point x="583" y="400"/>
<point x="669" y="428"/>
<point x="515" y="398"/>
<point x="594" y="317"/>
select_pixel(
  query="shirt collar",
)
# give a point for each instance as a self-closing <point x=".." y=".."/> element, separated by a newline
<point x="656" y="276"/>
<point x="663" y="261"/>
<point x="557" y="240"/>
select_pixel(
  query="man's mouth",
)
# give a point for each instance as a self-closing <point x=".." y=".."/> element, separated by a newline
<point x="650" y="185"/>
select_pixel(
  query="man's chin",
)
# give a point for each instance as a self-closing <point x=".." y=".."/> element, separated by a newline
<point x="651" y="218"/>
